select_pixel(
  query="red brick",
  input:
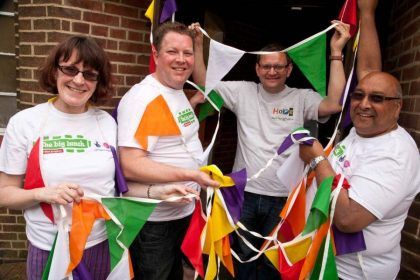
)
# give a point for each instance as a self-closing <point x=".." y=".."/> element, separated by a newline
<point x="22" y="236"/>
<point x="129" y="69"/>
<point x="8" y="236"/>
<point x="80" y="27"/>
<point x="43" y="49"/>
<point x="132" y="80"/>
<point x="65" y="25"/>
<point x="3" y="210"/>
<point x="24" y="73"/>
<point x="46" y="23"/>
<point x="64" y="12"/>
<point x="415" y="87"/>
<point x="133" y="24"/>
<point x="7" y="219"/>
<point x="13" y="228"/>
<point x="8" y="253"/>
<point x="122" y="90"/>
<point x="134" y="47"/>
<point x="405" y="59"/>
<point x="5" y="245"/>
<point x="19" y="245"/>
<point x="143" y="59"/>
<point x="410" y="260"/>
<point x="99" y="31"/>
<point x="42" y="98"/>
<point x="85" y="4"/>
<point x="412" y="28"/>
<point x="31" y="37"/>
<point x="29" y="61"/>
<point x="26" y="97"/>
<point x="135" y="36"/>
<point x="137" y="3"/>
<point x="31" y="11"/>
<point x="121" y="10"/>
<point x="56" y="37"/>
<point x="22" y="254"/>
<point x="25" y="49"/>
<point x="411" y="73"/>
<point x="25" y="24"/>
<point x="118" y="33"/>
<point x="118" y="79"/>
<point x="101" y="19"/>
<point x="111" y="45"/>
<point x="121" y="57"/>
<point x="46" y="1"/>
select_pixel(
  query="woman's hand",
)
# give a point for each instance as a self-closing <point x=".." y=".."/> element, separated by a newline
<point x="63" y="194"/>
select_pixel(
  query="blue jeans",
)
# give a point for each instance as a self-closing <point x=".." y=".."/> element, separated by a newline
<point x="260" y="213"/>
<point x="156" y="251"/>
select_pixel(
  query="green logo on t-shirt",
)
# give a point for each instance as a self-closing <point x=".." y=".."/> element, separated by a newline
<point x="66" y="143"/>
<point x="186" y="117"/>
<point x="339" y="150"/>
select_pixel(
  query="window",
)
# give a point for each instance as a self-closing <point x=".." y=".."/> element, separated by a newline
<point x="8" y="64"/>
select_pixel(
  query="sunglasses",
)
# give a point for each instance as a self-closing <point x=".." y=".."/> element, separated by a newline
<point x="73" y="71"/>
<point x="276" y="67"/>
<point x="372" y="98"/>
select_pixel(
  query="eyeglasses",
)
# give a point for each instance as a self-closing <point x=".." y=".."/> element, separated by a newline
<point x="276" y="67"/>
<point x="373" y="98"/>
<point x="73" y="71"/>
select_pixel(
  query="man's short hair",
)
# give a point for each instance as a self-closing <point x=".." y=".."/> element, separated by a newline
<point x="167" y="27"/>
<point x="273" y="47"/>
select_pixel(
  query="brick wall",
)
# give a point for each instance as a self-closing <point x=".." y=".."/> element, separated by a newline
<point x="402" y="59"/>
<point x="119" y="26"/>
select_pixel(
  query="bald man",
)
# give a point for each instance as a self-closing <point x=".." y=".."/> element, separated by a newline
<point x="380" y="160"/>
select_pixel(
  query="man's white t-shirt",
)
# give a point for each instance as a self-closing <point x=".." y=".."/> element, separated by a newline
<point x="383" y="172"/>
<point x="263" y="122"/>
<point x="74" y="149"/>
<point x="183" y="150"/>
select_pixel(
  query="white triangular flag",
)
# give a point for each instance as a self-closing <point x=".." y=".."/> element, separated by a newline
<point x="222" y="58"/>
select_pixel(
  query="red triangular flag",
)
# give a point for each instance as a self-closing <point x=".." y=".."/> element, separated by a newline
<point x="33" y="178"/>
<point x="191" y="246"/>
<point x="348" y="14"/>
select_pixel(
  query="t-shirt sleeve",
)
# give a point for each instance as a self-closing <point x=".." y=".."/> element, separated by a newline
<point x="312" y="100"/>
<point x="130" y="113"/>
<point x="14" y="148"/>
<point x="378" y="182"/>
<point x="230" y="92"/>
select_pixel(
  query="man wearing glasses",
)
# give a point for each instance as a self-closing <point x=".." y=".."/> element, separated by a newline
<point x="266" y="113"/>
<point x="380" y="161"/>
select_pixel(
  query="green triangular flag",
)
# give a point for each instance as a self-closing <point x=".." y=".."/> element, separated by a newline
<point x="47" y="268"/>
<point x="310" y="57"/>
<point x="330" y="272"/>
<point x="206" y="109"/>
<point x="320" y="206"/>
<point x="132" y="215"/>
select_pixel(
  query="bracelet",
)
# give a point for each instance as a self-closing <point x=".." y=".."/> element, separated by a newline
<point x="336" y="57"/>
<point x="148" y="190"/>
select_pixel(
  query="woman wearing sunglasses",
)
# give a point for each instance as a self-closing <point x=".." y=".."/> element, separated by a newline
<point x="63" y="147"/>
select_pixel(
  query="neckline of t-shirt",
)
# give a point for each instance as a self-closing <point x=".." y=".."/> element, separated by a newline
<point x="59" y="113"/>
<point x="270" y="97"/>
<point x="162" y="87"/>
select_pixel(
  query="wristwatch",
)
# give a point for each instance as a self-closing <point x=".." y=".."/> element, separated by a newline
<point x="315" y="161"/>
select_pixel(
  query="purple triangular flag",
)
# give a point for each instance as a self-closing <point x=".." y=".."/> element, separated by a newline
<point x="120" y="183"/>
<point x="169" y="7"/>
<point x="288" y="142"/>
<point x="81" y="272"/>
<point x="346" y="243"/>
<point x="234" y="196"/>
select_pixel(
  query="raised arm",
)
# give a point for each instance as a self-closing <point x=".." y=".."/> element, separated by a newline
<point x="337" y="81"/>
<point x="199" y="73"/>
<point x="369" y="53"/>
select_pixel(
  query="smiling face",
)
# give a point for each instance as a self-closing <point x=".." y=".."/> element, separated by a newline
<point x="372" y="119"/>
<point x="273" y="80"/>
<point x="174" y="60"/>
<point x="73" y="91"/>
